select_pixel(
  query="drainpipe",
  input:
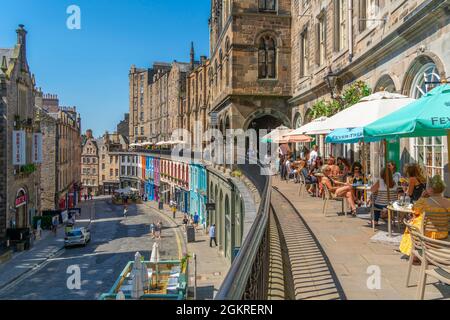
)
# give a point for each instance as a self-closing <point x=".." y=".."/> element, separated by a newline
<point x="350" y="30"/>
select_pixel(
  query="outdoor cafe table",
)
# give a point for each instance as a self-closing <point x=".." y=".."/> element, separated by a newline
<point x="399" y="209"/>
<point x="363" y="187"/>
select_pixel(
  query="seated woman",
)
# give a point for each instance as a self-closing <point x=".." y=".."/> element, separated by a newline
<point x="381" y="188"/>
<point x="339" y="189"/>
<point x="432" y="201"/>
<point x="416" y="182"/>
<point x="395" y="174"/>
<point x="345" y="168"/>
<point x="357" y="178"/>
<point x="310" y="179"/>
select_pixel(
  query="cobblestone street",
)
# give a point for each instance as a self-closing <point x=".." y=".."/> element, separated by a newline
<point x="115" y="240"/>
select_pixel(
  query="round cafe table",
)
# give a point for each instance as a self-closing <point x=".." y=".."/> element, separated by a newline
<point x="400" y="210"/>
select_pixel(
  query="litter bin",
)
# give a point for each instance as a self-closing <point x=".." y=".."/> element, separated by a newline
<point x="190" y="234"/>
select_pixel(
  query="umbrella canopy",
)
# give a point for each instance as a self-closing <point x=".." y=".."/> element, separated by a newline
<point x="155" y="253"/>
<point x="299" y="138"/>
<point x="276" y="136"/>
<point x="146" y="144"/>
<point x="312" y="128"/>
<point x="426" y="117"/>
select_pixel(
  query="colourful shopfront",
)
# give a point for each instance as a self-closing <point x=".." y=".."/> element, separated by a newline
<point x="198" y="191"/>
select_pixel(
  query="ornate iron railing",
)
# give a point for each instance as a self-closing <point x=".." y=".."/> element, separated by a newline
<point x="248" y="276"/>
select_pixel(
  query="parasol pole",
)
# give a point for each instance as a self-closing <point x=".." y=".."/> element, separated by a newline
<point x="386" y="170"/>
<point x="448" y="150"/>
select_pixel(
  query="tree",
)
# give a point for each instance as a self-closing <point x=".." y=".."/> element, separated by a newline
<point x="351" y="96"/>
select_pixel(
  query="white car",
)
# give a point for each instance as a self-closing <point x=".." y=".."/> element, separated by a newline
<point x="77" y="237"/>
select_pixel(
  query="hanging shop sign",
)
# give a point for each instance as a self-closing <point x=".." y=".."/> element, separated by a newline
<point x="37" y="148"/>
<point x="19" y="148"/>
<point x="21" y="201"/>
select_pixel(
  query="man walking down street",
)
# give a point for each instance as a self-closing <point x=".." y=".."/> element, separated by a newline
<point x="196" y="220"/>
<point x="212" y="235"/>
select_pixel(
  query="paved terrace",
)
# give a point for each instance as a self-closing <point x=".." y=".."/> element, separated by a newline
<point x="351" y="247"/>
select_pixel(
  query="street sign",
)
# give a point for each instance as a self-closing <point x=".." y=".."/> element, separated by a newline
<point x="210" y="206"/>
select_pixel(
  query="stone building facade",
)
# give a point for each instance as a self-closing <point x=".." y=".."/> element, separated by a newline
<point x="90" y="165"/>
<point x="109" y="163"/>
<point x="61" y="167"/>
<point x="19" y="184"/>
<point x="399" y="46"/>
<point x="249" y="72"/>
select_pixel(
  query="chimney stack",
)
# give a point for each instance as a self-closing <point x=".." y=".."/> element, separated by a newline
<point x="192" y="56"/>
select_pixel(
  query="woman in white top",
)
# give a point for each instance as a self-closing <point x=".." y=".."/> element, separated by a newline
<point x="381" y="189"/>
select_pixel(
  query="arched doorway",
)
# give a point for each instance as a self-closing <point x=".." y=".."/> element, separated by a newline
<point x="21" y="206"/>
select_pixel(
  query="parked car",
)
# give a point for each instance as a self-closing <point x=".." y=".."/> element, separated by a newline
<point x="77" y="237"/>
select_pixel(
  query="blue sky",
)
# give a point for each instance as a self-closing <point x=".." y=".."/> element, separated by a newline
<point x="88" y="68"/>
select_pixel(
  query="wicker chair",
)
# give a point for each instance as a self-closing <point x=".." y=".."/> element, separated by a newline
<point x="416" y="249"/>
<point x="436" y="263"/>
<point x="328" y="196"/>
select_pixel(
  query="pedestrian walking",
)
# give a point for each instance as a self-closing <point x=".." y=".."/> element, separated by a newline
<point x="55" y="225"/>
<point x="85" y="197"/>
<point x="196" y="220"/>
<point x="212" y="235"/>
<point x="158" y="230"/>
<point x="152" y="230"/>
<point x="125" y="211"/>
<point x="185" y="222"/>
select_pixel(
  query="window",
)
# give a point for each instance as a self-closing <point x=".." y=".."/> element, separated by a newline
<point x="368" y="12"/>
<point x="123" y="170"/>
<point x="267" y="5"/>
<point x="117" y="172"/>
<point x="142" y="131"/>
<point x="339" y="25"/>
<point x="103" y="156"/>
<point x="304" y="58"/>
<point x="321" y="40"/>
<point x="429" y="151"/>
<point x="111" y="172"/>
<point x="103" y="178"/>
<point x="267" y="58"/>
<point x="103" y="166"/>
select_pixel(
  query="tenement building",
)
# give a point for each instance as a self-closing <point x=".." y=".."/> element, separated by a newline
<point x="90" y="165"/>
<point x="20" y="140"/>
<point x="398" y="46"/>
<point x="61" y="167"/>
<point x="123" y="128"/>
<point x="109" y="163"/>
<point x="157" y="100"/>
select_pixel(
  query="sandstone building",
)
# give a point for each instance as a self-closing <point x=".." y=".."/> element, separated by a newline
<point x="109" y="163"/>
<point x="90" y="165"/>
<point x="399" y="46"/>
<point x="61" y="167"/>
<point x="123" y="128"/>
<point x="19" y="137"/>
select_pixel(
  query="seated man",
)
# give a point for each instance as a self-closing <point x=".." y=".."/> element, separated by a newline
<point x="335" y="170"/>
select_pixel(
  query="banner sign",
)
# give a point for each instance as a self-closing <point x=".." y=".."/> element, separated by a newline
<point x="19" y="148"/>
<point x="21" y="201"/>
<point x="37" y="148"/>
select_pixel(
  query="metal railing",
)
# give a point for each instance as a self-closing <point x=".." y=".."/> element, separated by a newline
<point x="248" y="276"/>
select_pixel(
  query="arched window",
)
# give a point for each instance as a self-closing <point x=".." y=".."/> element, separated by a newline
<point x="428" y="151"/>
<point x="267" y="58"/>
<point x="385" y="83"/>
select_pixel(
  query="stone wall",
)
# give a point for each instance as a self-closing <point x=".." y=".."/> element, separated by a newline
<point x="49" y="164"/>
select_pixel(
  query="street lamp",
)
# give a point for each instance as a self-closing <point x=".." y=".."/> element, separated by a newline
<point x="331" y="79"/>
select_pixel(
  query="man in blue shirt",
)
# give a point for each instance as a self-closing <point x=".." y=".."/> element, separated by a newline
<point x="196" y="220"/>
<point x="212" y="235"/>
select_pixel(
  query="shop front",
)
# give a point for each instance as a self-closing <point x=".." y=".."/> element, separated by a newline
<point x="20" y="219"/>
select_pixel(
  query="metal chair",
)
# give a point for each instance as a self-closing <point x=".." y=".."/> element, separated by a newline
<point x="328" y="196"/>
